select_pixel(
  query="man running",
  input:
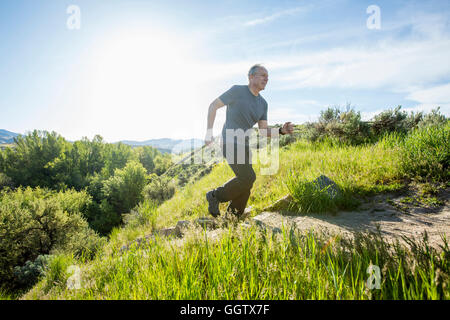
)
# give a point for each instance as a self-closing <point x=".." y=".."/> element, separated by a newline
<point x="245" y="108"/>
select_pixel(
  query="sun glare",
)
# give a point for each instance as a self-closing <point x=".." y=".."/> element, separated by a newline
<point x="141" y="78"/>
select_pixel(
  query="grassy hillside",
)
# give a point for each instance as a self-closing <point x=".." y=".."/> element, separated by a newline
<point x="244" y="263"/>
<point x="358" y="170"/>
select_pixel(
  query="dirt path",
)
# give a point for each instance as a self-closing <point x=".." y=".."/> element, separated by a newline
<point x="393" y="219"/>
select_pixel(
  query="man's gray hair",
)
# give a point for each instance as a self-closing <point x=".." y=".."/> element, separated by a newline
<point x="253" y="69"/>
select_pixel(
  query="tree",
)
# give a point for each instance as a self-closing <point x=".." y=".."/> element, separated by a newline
<point x="123" y="191"/>
<point x="146" y="156"/>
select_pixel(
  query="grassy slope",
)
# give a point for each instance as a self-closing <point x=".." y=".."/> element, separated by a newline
<point x="244" y="265"/>
<point x="358" y="170"/>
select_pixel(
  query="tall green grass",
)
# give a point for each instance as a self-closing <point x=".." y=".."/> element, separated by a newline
<point x="424" y="152"/>
<point x="310" y="197"/>
<point x="427" y="153"/>
<point x="248" y="264"/>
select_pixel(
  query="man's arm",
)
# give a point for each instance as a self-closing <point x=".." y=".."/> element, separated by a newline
<point x="213" y="107"/>
<point x="287" y="128"/>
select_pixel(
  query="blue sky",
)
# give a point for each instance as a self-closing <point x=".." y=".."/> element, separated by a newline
<point x="139" y="70"/>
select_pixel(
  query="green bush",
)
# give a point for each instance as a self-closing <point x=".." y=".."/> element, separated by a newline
<point x="307" y="197"/>
<point x="146" y="156"/>
<point x="27" y="275"/>
<point x="144" y="214"/>
<point x="394" y="120"/>
<point x="433" y="118"/>
<point x="58" y="271"/>
<point x="5" y="181"/>
<point x="36" y="222"/>
<point x="124" y="190"/>
<point x="389" y="121"/>
<point x="159" y="189"/>
<point x="342" y="126"/>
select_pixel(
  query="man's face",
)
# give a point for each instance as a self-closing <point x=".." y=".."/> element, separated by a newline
<point x="260" y="78"/>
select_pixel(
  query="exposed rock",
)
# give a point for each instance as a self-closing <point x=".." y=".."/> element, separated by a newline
<point x="323" y="182"/>
<point x="205" y="222"/>
<point x="280" y="205"/>
<point x="167" y="232"/>
<point x="181" y="226"/>
<point x="263" y="221"/>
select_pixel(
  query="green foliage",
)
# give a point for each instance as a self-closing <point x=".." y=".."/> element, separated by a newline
<point x="124" y="189"/>
<point x="426" y="153"/>
<point x="47" y="160"/>
<point x="58" y="271"/>
<point x="162" y="163"/>
<point x="159" y="189"/>
<point x="37" y="221"/>
<point x="5" y="181"/>
<point x="116" y="157"/>
<point x="146" y="156"/>
<point x="32" y="271"/>
<point x="434" y="118"/>
<point x="144" y="214"/>
<point x="253" y="265"/>
<point x="389" y="121"/>
<point x="104" y="218"/>
<point x="344" y="126"/>
<point x="26" y="164"/>
<point x="309" y="196"/>
<point x="116" y="195"/>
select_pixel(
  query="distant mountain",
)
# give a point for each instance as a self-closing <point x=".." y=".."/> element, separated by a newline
<point x="164" y="145"/>
<point x="7" y="136"/>
<point x="168" y="145"/>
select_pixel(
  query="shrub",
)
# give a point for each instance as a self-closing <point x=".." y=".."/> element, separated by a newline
<point x="58" y="271"/>
<point x="307" y="197"/>
<point x="343" y="126"/>
<point x="395" y="120"/>
<point x="388" y="121"/>
<point x="27" y="275"/>
<point x="144" y="214"/>
<point x="159" y="189"/>
<point x="433" y="118"/>
<point x="124" y="190"/>
<point x="5" y="181"/>
<point x="33" y="222"/>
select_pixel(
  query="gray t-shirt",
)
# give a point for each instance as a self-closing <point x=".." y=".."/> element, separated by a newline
<point x="244" y="109"/>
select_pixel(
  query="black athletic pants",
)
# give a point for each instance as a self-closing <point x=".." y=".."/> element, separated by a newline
<point x="237" y="190"/>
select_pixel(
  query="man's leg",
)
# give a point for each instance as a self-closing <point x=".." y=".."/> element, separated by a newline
<point x="237" y="206"/>
<point x="237" y="190"/>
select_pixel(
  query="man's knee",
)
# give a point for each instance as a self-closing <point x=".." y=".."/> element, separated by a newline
<point x="249" y="179"/>
<point x="252" y="178"/>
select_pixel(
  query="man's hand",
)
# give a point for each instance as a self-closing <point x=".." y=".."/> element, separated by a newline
<point x="209" y="137"/>
<point x="288" y="128"/>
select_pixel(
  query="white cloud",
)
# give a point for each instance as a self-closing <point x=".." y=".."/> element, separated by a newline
<point x="293" y="114"/>
<point x="431" y="98"/>
<point x="275" y="16"/>
<point x="397" y="65"/>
